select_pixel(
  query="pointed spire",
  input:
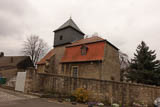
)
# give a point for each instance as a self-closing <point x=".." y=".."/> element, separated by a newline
<point x="69" y="23"/>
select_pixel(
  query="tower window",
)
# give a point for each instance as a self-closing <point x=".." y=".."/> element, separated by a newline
<point x="61" y="37"/>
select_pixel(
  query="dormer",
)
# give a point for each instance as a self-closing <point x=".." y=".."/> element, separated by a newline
<point x="84" y="50"/>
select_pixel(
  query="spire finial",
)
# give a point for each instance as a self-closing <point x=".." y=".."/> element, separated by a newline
<point x="70" y="17"/>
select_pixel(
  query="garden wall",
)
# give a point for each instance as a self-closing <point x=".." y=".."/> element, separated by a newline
<point x="101" y="90"/>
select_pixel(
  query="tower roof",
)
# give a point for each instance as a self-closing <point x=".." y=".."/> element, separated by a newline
<point x="69" y="23"/>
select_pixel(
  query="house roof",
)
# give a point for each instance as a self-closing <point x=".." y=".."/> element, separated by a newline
<point x="69" y="23"/>
<point x="95" y="52"/>
<point x="46" y="57"/>
<point x="7" y="62"/>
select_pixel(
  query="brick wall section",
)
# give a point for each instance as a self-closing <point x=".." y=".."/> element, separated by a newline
<point x="110" y="91"/>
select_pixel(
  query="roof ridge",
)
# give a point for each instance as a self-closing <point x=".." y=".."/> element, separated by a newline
<point x="74" y="24"/>
<point x="87" y="40"/>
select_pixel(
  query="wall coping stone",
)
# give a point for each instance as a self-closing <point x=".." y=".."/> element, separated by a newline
<point x="109" y="81"/>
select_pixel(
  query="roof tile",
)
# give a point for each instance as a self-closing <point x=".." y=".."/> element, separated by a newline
<point x="95" y="52"/>
<point x="46" y="57"/>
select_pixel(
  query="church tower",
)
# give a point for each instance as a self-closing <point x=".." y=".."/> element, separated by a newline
<point x="67" y="33"/>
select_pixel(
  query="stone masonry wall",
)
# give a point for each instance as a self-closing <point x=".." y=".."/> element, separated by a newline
<point x="109" y="91"/>
<point x="111" y="65"/>
<point x="9" y="73"/>
<point x="59" y="52"/>
<point x="30" y="78"/>
<point x="85" y="69"/>
<point x="41" y="68"/>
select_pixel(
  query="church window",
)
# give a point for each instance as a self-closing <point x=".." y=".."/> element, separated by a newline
<point x="61" y="37"/>
<point x="112" y="78"/>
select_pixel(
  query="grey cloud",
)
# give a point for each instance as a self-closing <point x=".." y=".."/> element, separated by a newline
<point x="15" y="7"/>
<point x="9" y="27"/>
<point x="125" y="23"/>
<point x="13" y="14"/>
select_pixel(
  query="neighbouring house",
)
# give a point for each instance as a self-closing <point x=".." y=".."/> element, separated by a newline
<point x="10" y="65"/>
<point x="76" y="56"/>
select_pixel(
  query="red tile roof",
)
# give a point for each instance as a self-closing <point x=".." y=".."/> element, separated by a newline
<point x="95" y="51"/>
<point x="46" y="57"/>
<point x="87" y="40"/>
<point x="91" y="40"/>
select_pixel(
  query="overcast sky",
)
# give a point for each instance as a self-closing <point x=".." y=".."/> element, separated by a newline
<point x="125" y="23"/>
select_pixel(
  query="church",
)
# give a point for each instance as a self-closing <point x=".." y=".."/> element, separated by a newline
<point x="75" y="56"/>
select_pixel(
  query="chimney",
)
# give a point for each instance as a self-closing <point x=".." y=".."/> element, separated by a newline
<point x="1" y="54"/>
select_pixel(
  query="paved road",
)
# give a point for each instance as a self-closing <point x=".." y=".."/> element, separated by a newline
<point x="12" y="99"/>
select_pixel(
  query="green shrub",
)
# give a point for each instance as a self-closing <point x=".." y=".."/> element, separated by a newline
<point x="81" y="95"/>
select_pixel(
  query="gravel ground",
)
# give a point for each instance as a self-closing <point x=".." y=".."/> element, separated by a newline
<point x="7" y="95"/>
<point x="15" y="99"/>
<point x="4" y="97"/>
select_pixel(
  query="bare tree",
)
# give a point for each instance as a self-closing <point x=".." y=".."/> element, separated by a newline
<point x="124" y="65"/>
<point x="34" y="47"/>
<point x="124" y="60"/>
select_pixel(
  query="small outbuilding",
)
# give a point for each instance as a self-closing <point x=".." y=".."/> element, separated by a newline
<point x="10" y="65"/>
